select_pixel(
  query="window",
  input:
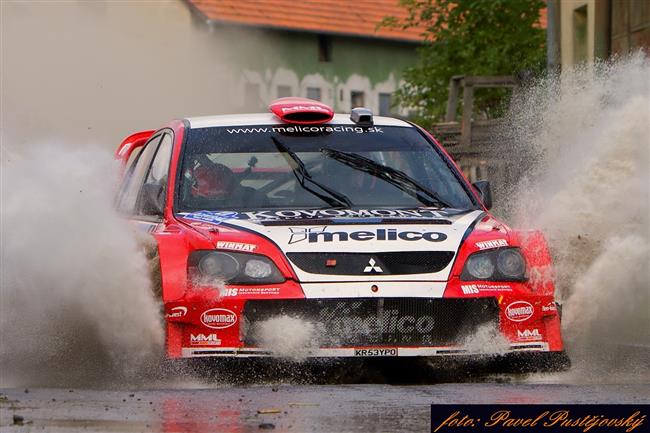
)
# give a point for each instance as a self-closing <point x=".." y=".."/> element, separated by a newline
<point x="247" y="171"/>
<point x="160" y="164"/>
<point x="384" y="104"/>
<point x="135" y="179"/>
<point x="324" y="48"/>
<point x="156" y="183"/>
<point x="357" y="99"/>
<point x="128" y="167"/>
<point x="284" y="91"/>
<point x="128" y="172"/>
<point x="313" y="93"/>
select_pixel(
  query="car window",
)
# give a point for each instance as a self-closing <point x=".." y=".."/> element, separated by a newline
<point x="132" y="158"/>
<point x="245" y="169"/>
<point x="158" y="173"/>
<point x="128" y="172"/>
<point x="129" y="197"/>
<point x="160" y="165"/>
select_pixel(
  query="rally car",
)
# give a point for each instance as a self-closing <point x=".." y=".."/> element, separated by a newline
<point x="360" y="228"/>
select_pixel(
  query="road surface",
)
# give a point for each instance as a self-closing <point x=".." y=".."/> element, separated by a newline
<point x="278" y="408"/>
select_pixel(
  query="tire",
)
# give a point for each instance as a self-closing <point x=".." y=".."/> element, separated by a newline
<point x="534" y="362"/>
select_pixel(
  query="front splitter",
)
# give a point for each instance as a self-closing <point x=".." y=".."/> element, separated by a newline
<point x="350" y="352"/>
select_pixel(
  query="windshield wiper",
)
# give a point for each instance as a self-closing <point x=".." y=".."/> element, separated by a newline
<point x="391" y="175"/>
<point x="333" y="198"/>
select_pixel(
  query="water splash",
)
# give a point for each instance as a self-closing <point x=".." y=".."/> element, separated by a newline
<point x="583" y="146"/>
<point x="76" y="308"/>
<point x="286" y="337"/>
<point x="487" y="339"/>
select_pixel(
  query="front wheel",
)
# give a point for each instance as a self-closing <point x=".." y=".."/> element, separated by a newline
<point x="533" y="362"/>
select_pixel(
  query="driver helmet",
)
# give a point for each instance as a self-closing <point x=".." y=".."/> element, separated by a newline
<point x="214" y="182"/>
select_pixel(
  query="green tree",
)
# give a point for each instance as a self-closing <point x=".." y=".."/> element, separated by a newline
<point x="469" y="37"/>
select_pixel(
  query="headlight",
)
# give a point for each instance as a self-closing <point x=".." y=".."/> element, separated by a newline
<point x="258" y="269"/>
<point x="213" y="267"/>
<point x="503" y="264"/>
<point x="511" y="264"/>
<point x="480" y="266"/>
<point x="219" y="265"/>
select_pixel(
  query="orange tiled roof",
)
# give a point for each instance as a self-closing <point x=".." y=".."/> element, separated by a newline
<point x="356" y="17"/>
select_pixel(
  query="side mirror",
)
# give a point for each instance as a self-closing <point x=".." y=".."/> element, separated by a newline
<point x="484" y="192"/>
<point x="152" y="199"/>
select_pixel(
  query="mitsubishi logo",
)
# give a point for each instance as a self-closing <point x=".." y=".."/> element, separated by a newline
<point x="372" y="267"/>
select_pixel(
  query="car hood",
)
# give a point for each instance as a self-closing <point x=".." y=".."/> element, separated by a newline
<point x="355" y="237"/>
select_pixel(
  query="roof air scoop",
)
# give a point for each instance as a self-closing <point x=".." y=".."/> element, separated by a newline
<point x="301" y="111"/>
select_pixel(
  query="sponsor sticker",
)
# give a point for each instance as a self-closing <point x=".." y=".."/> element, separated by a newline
<point x="469" y="289"/>
<point x="376" y="351"/>
<point x="204" y="340"/>
<point x="519" y="311"/>
<point x="307" y="214"/>
<point x="472" y="289"/>
<point x="218" y="318"/>
<point x="250" y="291"/>
<point x="176" y="312"/>
<point x="529" y="335"/>
<point x="236" y="246"/>
<point x="229" y="292"/>
<point x="217" y="217"/>
<point x="496" y="243"/>
<point x="293" y="108"/>
<point x="322" y="234"/>
<point x="347" y="320"/>
<point x="212" y="217"/>
<point x="551" y="306"/>
<point x="307" y="128"/>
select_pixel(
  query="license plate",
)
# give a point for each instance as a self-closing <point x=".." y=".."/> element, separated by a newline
<point x="383" y="351"/>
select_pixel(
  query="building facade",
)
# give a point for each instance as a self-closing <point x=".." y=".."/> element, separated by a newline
<point x="96" y="71"/>
<point x="586" y="30"/>
<point x="326" y="51"/>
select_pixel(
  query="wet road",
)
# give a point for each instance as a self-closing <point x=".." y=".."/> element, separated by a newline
<point x="281" y="408"/>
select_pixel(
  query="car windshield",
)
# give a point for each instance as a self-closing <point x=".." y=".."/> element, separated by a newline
<point x="341" y="166"/>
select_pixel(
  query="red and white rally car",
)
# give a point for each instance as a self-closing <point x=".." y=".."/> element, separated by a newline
<point x="361" y="227"/>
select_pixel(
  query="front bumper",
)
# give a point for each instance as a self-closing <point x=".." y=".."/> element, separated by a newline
<point x="367" y="327"/>
<point x="365" y="352"/>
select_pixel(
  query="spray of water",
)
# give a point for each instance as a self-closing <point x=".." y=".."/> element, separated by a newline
<point x="75" y="303"/>
<point x="286" y="337"/>
<point x="583" y="140"/>
<point x="487" y="339"/>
